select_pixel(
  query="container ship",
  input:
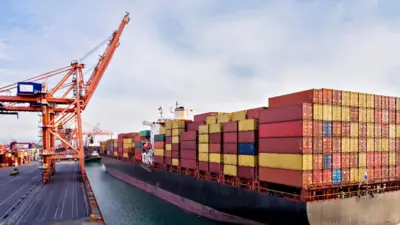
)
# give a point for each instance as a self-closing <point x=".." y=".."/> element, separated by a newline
<point x="318" y="156"/>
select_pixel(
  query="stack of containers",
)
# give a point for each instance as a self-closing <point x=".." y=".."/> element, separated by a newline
<point x="248" y="148"/>
<point x="188" y="150"/>
<point x="115" y="148"/>
<point x="203" y="153"/>
<point x="126" y="147"/>
<point x="215" y="124"/>
<point x="178" y="126"/>
<point x="336" y="133"/>
<point x="397" y="141"/>
<point x="392" y="138"/>
<point x="159" y="148"/>
<point x="230" y="146"/>
<point x="168" y="143"/>
<point x="137" y="154"/>
<point x="379" y="118"/>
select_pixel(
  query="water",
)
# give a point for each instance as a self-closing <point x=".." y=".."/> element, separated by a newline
<point x="121" y="204"/>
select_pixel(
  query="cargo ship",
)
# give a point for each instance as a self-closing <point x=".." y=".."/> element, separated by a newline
<point x="319" y="156"/>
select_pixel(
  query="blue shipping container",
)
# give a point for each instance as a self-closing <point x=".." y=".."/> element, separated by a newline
<point x="327" y="161"/>
<point x="247" y="149"/>
<point x="138" y="145"/>
<point x="327" y="129"/>
<point x="29" y="88"/>
<point x="337" y="176"/>
<point x="144" y="133"/>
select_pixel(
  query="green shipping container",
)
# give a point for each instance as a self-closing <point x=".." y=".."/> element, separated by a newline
<point x="159" y="137"/>
<point x="145" y="133"/>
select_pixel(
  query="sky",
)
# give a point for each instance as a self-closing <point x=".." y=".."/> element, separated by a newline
<point x="209" y="55"/>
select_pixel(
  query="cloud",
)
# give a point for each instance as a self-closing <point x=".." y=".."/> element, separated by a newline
<point x="209" y="55"/>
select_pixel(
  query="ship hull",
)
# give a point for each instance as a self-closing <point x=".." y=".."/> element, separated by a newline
<point x="235" y="205"/>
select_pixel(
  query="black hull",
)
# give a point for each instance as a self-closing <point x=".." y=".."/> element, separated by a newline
<point x="92" y="159"/>
<point x="235" y="201"/>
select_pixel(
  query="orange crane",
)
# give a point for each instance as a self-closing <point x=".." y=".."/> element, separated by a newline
<point x="55" y="109"/>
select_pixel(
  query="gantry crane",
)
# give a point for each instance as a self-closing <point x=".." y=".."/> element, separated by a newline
<point x="36" y="97"/>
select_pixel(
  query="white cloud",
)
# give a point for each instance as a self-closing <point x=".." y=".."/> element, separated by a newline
<point x="288" y="47"/>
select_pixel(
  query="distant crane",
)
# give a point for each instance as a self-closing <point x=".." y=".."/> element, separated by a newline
<point x="90" y="135"/>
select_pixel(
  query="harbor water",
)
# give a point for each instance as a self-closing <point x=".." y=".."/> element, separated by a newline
<point x="123" y="204"/>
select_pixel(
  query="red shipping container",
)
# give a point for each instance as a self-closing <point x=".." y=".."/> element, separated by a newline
<point x="168" y="140"/>
<point x="353" y="159"/>
<point x="345" y="176"/>
<point x="203" y="166"/>
<point x="385" y="102"/>
<point x="378" y="102"/>
<point x="370" y="159"/>
<point x="371" y="173"/>
<point x="362" y="129"/>
<point x="188" y="154"/>
<point x="336" y="161"/>
<point x="188" y="136"/>
<point x="317" y="161"/>
<point x="286" y="145"/>
<point x="392" y="145"/>
<point x="138" y="151"/>
<point x="345" y="129"/>
<point x="317" y="128"/>
<point x="353" y="114"/>
<point x="286" y="129"/>
<point x="190" y="145"/>
<point x="392" y="172"/>
<point x="126" y="150"/>
<point x="327" y="177"/>
<point x="247" y="172"/>
<point x="159" y="159"/>
<point x="175" y="147"/>
<point x="378" y="173"/>
<point x="385" y="158"/>
<point x="337" y="97"/>
<point x="337" y="128"/>
<point x="397" y="171"/>
<point x="378" y="159"/>
<point x="291" y="178"/>
<point x="345" y="160"/>
<point x="215" y="167"/>
<point x="138" y="157"/>
<point x="230" y="148"/>
<point x="247" y="137"/>
<point x="175" y="154"/>
<point x="378" y="115"/>
<point x="308" y="96"/>
<point x="392" y="103"/>
<point x="385" y="130"/>
<point x="378" y="130"/>
<point x="397" y="117"/>
<point x="392" y="117"/>
<point x="317" y="177"/>
<point x="231" y="126"/>
<point x="188" y="163"/>
<point x="385" y="173"/>
<point x="362" y="144"/>
<point x="231" y="137"/>
<point x="397" y="145"/>
<point x="385" y="116"/>
<point x="202" y="117"/>
<point x="159" y="145"/>
<point x="215" y="148"/>
<point x="168" y="154"/>
<point x="327" y="96"/>
<point x="137" y="138"/>
<point x="317" y="145"/>
<point x="397" y="159"/>
<point x="168" y="161"/>
<point x="336" y="144"/>
<point x="194" y="126"/>
<point x="255" y="113"/>
<point x="215" y="138"/>
<point x="326" y="144"/>
<point x="287" y="113"/>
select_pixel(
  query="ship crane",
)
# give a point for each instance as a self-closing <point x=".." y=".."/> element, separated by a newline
<point x="90" y="135"/>
<point x="56" y="107"/>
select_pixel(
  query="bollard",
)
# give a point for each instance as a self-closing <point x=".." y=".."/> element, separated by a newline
<point x="92" y="217"/>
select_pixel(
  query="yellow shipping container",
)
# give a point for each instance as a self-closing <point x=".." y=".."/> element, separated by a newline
<point x="247" y="125"/>
<point x="178" y="124"/>
<point x="378" y="146"/>
<point x="370" y="101"/>
<point x="127" y="141"/>
<point x="168" y="147"/>
<point x="286" y="161"/>
<point x="162" y="130"/>
<point x="370" y="130"/>
<point x="175" y="162"/>
<point x="115" y="153"/>
<point x="230" y="159"/>
<point x="125" y="145"/>
<point x="361" y="173"/>
<point x="385" y="144"/>
<point x="159" y="152"/>
<point x="370" y="144"/>
<point x="354" y="99"/>
<point x="327" y="112"/>
<point x="125" y="155"/>
<point x="392" y="158"/>
<point x="362" y="100"/>
<point x="216" y="128"/>
<point x="362" y="159"/>
<point x="215" y="158"/>
<point x="392" y="130"/>
<point x="345" y="144"/>
<point x="354" y="177"/>
<point x="397" y="131"/>
<point x="168" y="133"/>
<point x="336" y="113"/>
<point x="203" y="129"/>
<point x="230" y="170"/>
<point x="353" y="129"/>
<point x="203" y="138"/>
<point x="345" y="113"/>
<point x="318" y="112"/>
<point x="370" y="115"/>
<point x="211" y="120"/>
<point x="248" y="160"/>
<point x="175" y="140"/>
<point x="224" y="118"/>
<point x="362" y="115"/>
<point x="203" y="147"/>
<point x="177" y="132"/>
<point x="345" y="98"/>
<point x="168" y="124"/>
<point x="203" y="157"/>
<point x="240" y="115"/>
<point x="133" y="144"/>
<point x="353" y="144"/>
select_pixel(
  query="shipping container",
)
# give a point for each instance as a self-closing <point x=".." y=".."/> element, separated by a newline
<point x="215" y="168"/>
<point x="247" y="137"/>
<point x="336" y="113"/>
<point x="188" y="136"/>
<point x="189" y="145"/>
<point x="224" y="118"/>
<point x="327" y="145"/>
<point x="230" y="159"/>
<point x="327" y="96"/>
<point x="247" y="149"/>
<point x="203" y="138"/>
<point x="230" y="148"/>
<point x="308" y="96"/>
<point x="337" y="129"/>
<point x="255" y="112"/>
<point x="247" y="172"/>
<point x="188" y="154"/>
<point x="345" y="129"/>
<point x="215" y="147"/>
<point x="247" y="125"/>
<point x="239" y="115"/>
<point x="287" y="113"/>
<point x="286" y="129"/>
<point x="336" y="144"/>
<point x="287" y="177"/>
<point x="202" y="117"/>
<point x="215" y="128"/>
<point x="188" y="163"/>
<point x="317" y="145"/>
<point x="231" y="137"/>
<point x="215" y="138"/>
<point x="247" y="160"/>
<point x="230" y="126"/>
<point x="194" y="125"/>
<point x="337" y="97"/>
<point x="286" y="161"/>
<point x="230" y="170"/>
<point x="294" y="145"/>
<point x="317" y="128"/>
